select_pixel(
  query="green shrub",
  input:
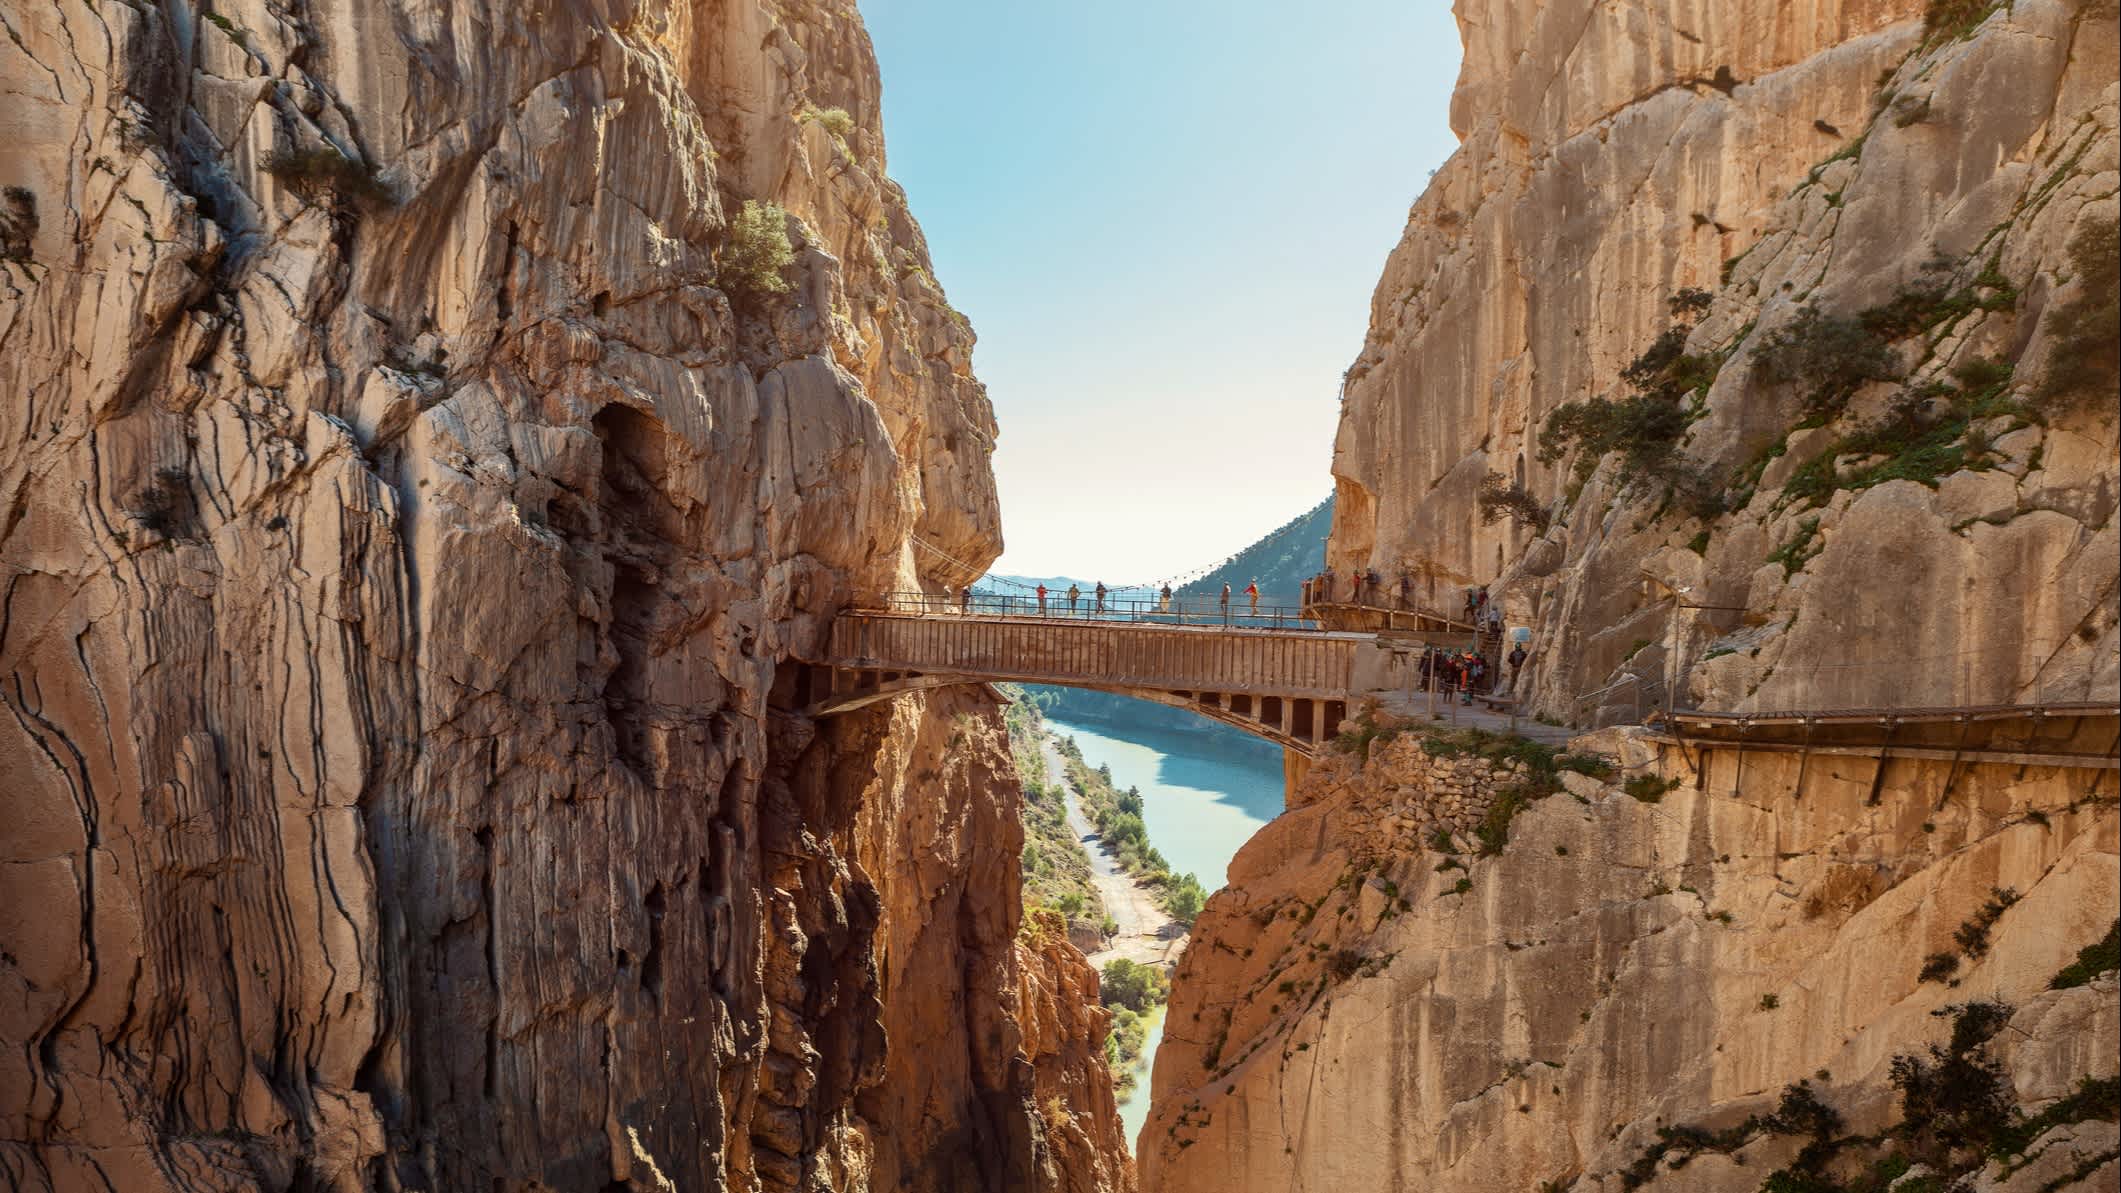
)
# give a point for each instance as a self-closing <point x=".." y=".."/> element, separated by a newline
<point x="2094" y="1098"/>
<point x="1954" y="1098"/>
<point x="325" y="169"/>
<point x="1667" y="385"/>
<point x="1828" y="357"/>
<point x="1494" y="828"/>
<point x="1928" y="433"/>
<point x="1648" y="788"/>
<point x="757" y="250"/>
<point x="836" y="121"/>
<point x="1973" y="934"/>
<point x="1184" y="898"/>
<point x="1502" y="497"/>
<point x="2101" y="956"/>
<point x="235" y="32"/>
<point x="1797" y="552"/>
<point x="2085" y="362"/>
<point x="1134" y="986"/>
<point x="1586" y="764"/>
<point x="1947" y="20"/>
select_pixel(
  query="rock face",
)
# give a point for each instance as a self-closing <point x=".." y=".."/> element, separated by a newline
<point x="1359" y="1013"/>
<point x="1834" y="269"/>
<point x="1940" y="197"/>
<point x="423" y="459"/>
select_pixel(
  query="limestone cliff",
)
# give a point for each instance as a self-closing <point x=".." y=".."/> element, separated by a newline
<point x="432" y="430"/>
<point x="1756" y="355"/>
<point x="1621" y="994"/>
<point x="1886" y="227"/>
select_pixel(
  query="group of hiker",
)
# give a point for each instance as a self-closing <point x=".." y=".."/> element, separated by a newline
<point x="1368" y="588"/>
<point x="1466" y="672"/>
<point x="1099" y="594"/>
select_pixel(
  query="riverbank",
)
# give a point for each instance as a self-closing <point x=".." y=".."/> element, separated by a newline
<point x="1141" y="929"/>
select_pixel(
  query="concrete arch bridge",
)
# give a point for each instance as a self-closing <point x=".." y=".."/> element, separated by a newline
<point x="1288" y="684"/>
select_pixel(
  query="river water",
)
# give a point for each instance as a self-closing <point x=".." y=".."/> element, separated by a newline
<point x="1202" y="798"/>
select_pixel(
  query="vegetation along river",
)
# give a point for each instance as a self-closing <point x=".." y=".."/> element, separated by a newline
<point x="1205" y="791"/>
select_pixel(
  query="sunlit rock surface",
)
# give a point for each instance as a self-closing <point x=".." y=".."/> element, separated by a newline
<point x="405" y="514"/>
<point x="1774" y="156"/>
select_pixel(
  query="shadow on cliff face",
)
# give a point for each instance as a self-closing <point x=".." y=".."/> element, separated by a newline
<point x="638" y="523"/>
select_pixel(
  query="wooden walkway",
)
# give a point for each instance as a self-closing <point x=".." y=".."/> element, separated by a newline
<point x="2075" y="735"/>
<point x="1289" y="686"/>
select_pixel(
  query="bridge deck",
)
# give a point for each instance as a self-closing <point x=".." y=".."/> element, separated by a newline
<point x="1237" y="659"/>
<point x="1291" y="686"/>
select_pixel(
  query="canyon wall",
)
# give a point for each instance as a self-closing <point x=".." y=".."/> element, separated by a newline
<point x="1844" y="275"/>
<point x="433" y="430"/>
<point x="1895" y="233"/>
<point x="1370" y="1006"/>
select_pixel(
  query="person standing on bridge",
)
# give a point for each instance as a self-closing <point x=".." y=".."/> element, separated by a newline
<point x="964" y="600"/>
<point x="1075" y="595"/>
<point x="1226" y="602"/>
<point x="1252" y="593"/>
<point x="1100" y="596"/>
<point x="1041" y="600"/>
<point x="1163" y="599"/>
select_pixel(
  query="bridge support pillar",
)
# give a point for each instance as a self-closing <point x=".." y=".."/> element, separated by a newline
<point x="1294" y="766"/>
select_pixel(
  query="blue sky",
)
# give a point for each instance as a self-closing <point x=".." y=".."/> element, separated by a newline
<point x="1164" y="219"/>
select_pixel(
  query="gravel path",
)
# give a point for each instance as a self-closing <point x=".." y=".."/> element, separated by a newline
<point x="1145" y="933"/>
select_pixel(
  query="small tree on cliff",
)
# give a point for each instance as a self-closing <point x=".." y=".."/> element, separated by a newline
<point x="757" y="250"/>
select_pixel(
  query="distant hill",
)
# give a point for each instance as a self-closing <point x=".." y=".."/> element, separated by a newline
<point x="997" y="582"/>
<point x="1281" y="561"/>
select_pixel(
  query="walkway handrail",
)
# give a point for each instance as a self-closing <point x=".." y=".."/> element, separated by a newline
<point x="1240" y="613"/>
<point x="1318" y="593"/>
<point x="2050" y="708"/>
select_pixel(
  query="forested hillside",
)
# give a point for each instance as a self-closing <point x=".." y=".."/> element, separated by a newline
<point x="1280" y="562"/>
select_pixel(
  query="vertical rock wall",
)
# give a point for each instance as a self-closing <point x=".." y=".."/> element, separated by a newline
<point x="406" y="507"/>
<point x="1871" y="486"/>
<point x="1365" y="1007"/>
<point x="1834" y="156"/>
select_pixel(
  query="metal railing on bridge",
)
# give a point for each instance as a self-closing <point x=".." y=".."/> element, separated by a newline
<point x="1239" y="613"/>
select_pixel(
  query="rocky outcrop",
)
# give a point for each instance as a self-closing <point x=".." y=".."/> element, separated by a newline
<point x="434" y="430"/>
<point x="1888" y="224"/>
<point x="1604" y="1001"/>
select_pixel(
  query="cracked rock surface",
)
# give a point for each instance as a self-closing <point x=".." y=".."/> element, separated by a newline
<point x="407" y="509"/>
<point x="1836" y="157"/>
<point x="1361" y="1010"/>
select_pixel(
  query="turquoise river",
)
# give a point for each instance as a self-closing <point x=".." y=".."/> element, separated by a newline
<point x="1203" y="796"/>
